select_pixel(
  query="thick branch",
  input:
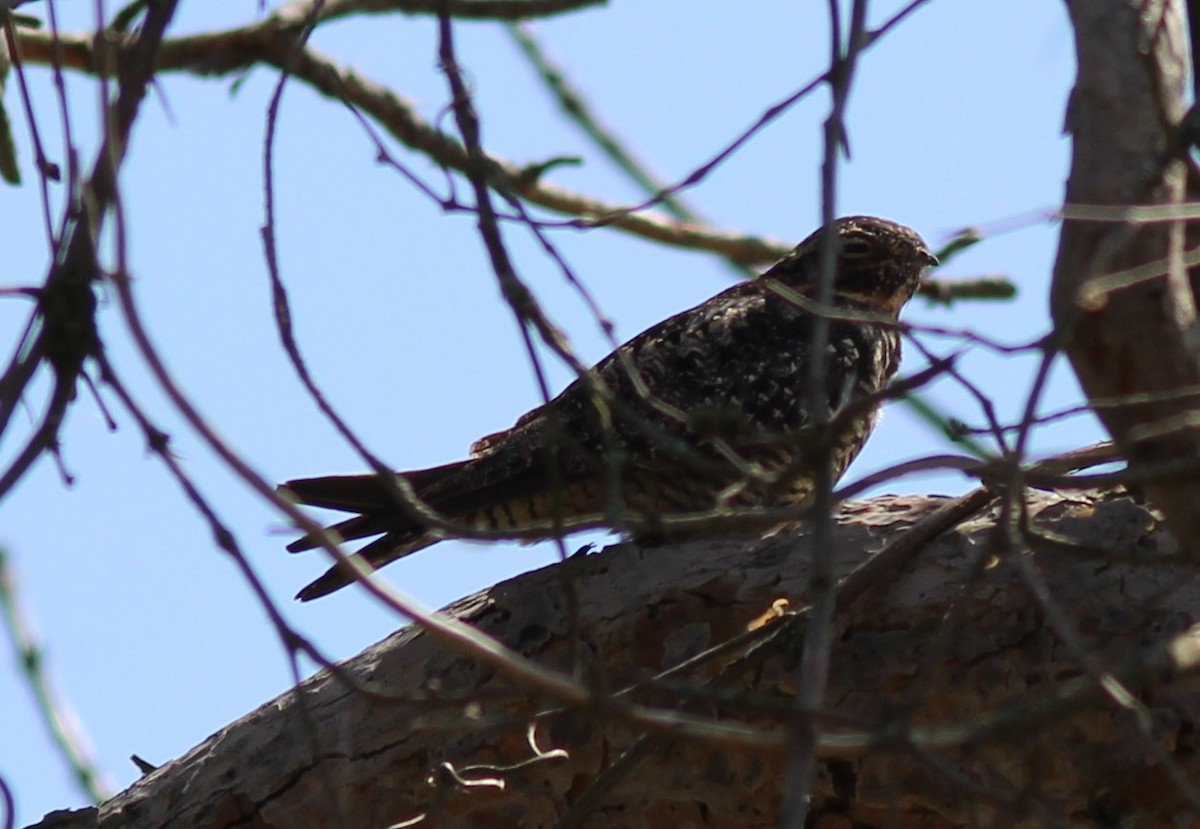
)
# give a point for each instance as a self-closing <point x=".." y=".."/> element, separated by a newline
<point x="948" y="693"/>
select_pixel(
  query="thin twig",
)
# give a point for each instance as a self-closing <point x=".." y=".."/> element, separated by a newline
<point x="813" y="675"/>
<point x="576" y="108"/>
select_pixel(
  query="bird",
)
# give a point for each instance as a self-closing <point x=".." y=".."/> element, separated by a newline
<point x="707" y="409"/>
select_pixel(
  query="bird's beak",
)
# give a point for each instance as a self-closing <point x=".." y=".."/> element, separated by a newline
<point x="931" y="261"/>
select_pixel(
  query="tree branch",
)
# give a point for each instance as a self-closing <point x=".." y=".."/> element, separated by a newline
<point x="272" y="42"/>
<point x="947" y="690"/>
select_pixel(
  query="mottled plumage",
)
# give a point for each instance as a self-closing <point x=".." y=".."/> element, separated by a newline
<point x="692" y="404"/>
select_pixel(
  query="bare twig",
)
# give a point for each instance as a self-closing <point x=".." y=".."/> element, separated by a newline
<point x="813" y="673"/>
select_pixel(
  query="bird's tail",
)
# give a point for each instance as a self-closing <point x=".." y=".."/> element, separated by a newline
<point x="379" y="513"/>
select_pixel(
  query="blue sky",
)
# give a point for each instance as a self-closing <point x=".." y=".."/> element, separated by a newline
<point x="956" y="119"/>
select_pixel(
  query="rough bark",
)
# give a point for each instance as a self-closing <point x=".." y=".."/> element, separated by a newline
<point x="1135" y="349"/>
<point x="953" y="666"/>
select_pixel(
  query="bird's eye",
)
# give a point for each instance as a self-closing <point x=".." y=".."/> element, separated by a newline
<point x="855" y="249"/>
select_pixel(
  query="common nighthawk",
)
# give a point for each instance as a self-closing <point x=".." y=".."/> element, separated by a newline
<point x="702" y="410"/>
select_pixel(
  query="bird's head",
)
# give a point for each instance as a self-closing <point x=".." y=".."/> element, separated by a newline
<point x="879" y="263"/>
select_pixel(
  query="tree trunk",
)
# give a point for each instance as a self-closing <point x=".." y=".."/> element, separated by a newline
<point x="955" y="700"/>
<point x="1133" y="341"/>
